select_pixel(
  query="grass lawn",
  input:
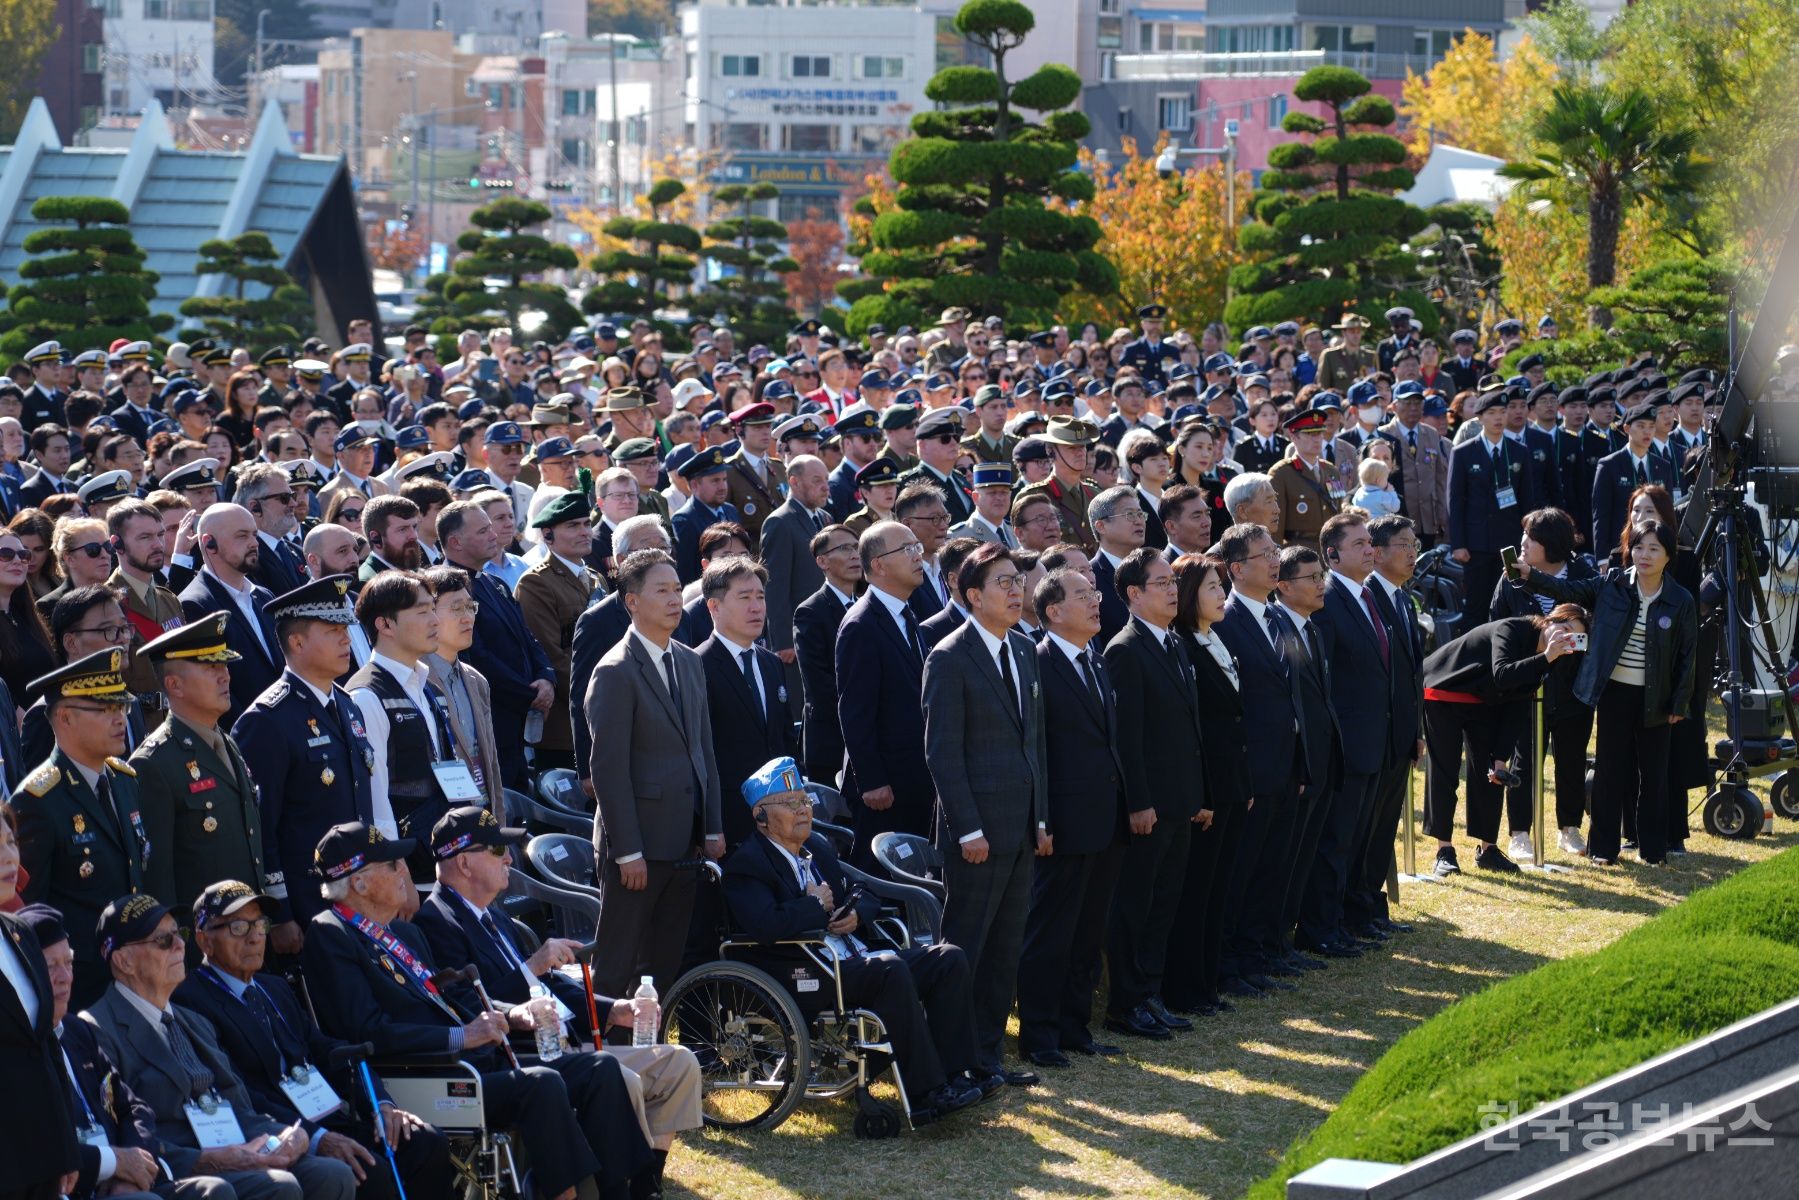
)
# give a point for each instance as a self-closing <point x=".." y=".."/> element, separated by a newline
<point x="1213" y="1111"/>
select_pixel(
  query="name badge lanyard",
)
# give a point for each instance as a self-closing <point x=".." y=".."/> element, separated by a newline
<point x="384" y="940"/>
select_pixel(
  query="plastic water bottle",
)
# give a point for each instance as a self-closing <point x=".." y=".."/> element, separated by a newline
<point x="546" y="1024"/>
<point x="646" y="1014"/>
<point x="533" y="727"/>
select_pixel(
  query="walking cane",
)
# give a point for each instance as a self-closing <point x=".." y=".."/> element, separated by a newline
<point x="359" y="1055"/>
<point x="470" y="974"/>
<point x="584" y="956"/>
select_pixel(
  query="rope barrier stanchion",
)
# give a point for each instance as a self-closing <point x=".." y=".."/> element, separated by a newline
<point x="1538" y="760"/>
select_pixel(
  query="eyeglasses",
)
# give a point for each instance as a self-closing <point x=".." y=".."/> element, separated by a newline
<point x="1006" y="583"/>
<point x="14" y="554"/>
<point x="111" y="633"/>
<point x="350" y="514"/>
<point x="1308" y="577"/>
<point x="912" y="549"/>
<point x="91" y="549"/>
<point x="162" y="941"/>
<point x="798" y="804"/>
<point x="242" y="926"/>
<point x="467" y="608"/>
<point x="941" y="518"/>
<point x="618" y="495"/>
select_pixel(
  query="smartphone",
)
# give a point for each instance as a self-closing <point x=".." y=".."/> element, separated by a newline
<point x="1509" y="556"/>
<point x="849" y="902"/>
<point x="488" y="369"/>
<point x="1580" y="641"/>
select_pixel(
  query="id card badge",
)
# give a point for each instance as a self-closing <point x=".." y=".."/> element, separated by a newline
<point x="312" y="1096"/>
<point x="213" y="1122"/>
<point x="92" y="1135"/>
<point x="456" y="782"/>
<point x="1680" y="497"/>
<point x="1506" y="497"/>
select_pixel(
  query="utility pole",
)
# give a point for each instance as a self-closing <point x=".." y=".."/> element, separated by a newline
<point x="414" y="75"/>
<point x="256" y="78"/>
<point x="617" y="129"/>
<point x="431" y="196"/>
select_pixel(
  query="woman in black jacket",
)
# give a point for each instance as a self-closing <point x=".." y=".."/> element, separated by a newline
<point x="1196" y="942"/>
<point x="1638" y="676"/>
<point x="1547" y="544"/>
<point x="1477" y="692"/>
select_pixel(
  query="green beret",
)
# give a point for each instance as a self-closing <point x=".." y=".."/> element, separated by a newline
<point x="570" y="506"/>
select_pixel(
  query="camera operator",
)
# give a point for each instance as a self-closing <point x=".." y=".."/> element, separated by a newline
<point x="1639" y="679"/>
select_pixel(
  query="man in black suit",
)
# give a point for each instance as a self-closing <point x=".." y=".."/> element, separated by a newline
<point x="265" y="491"/>
<point x="920" y="508"/>
<point x="786" y="883"/>
<point x="1159" y="745"/>
<point x="815" y="623"/>
<point x="880" y="667"/>
<point x="516" y="667"/>
<point x="1537" y="443"/>
<point x="374" y="979"/>
<point x="50" y="450"/>
<point x="231" y="552"/>
<point x="1576" y="458"/>
<point x="746" y="689"/>
<point x="1071" y="892"/>
<point x="985" y="741"/>
<point x="1302" y="585"/>
<point x="460" y="921"/>
<point x="1363" y="696"/>
<point x="1619" y="474"/>
<point x="1254" y="631"/>
<point x="1395" y="541"/>
<point x="793" y="572"/>
<point x="270" y="1041"/>
<point x="949" y="562"/>
<point x="1118" y="522"/>
<point x="43" y="1157"/>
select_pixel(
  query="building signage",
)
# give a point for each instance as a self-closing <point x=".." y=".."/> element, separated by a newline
<point x="796" y="173"/>
<point x="823" y="101"/>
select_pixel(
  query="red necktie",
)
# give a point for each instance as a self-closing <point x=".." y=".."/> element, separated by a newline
<point x="1380" y="627"/>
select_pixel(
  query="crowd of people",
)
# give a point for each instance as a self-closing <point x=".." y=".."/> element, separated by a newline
<point x="1122" y="624"/>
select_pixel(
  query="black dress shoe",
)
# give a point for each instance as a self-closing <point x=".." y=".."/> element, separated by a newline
<point x="1184" y="1006"/>
<point x="1306" y="962"/>
<point x="1235" y="986"/>
<point x="1160" y="1012"/>
<point x="1048" y="1058"/>
<point x="1022" y="1078"/>
<point x="986" y="1083"/>
<point x="1221" y="1006"/>
<point x="1367" y="933"/>
<point x="1333" y="949"/>
<point x="1281" y="967"/>
<point x="1392" y="926"/>
<point x="1139" y="1022"/>
<point x="1446" y="864"/>
<point x="1095" y="1049"/>
<point x="1259" y="981"/>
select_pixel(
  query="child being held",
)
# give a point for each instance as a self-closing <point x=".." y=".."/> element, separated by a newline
<point x="1375" y="495"/>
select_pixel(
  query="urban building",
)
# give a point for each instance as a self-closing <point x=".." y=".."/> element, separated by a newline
<point x="157" y="50"/>
<point x="1232" y="95"/>
<point x="612" y="115"/>
<point x="70" y="76"/>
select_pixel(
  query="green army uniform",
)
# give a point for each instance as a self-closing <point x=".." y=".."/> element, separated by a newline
<point x="200" y="811"/>
<point x="1071" y="510"/>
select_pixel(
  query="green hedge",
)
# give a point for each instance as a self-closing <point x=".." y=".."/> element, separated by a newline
<point x="1726" y="953"/>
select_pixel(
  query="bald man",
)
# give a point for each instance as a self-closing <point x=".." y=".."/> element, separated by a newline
<point x="229" y="552"/>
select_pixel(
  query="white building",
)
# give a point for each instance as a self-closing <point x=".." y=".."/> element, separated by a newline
<point x="808" y="97"/>
<point x="588" y="147"/>
<point x="158" y="50"/>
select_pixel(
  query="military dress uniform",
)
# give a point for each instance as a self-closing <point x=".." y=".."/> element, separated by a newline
<point x="1307" y="497"/>
<point x="199" y="798"/>
<point x="82" y="846"/>
<point x="1339" y="366"/>
<point x="1070" y="504"/>
<point x="881" y="470"/>
<point x="754" y="495"/>
<point x="1145" y="356"/>
<point x="985" y="451"/>
<point x="312" y="762"/>
<point x="957" y="495"/>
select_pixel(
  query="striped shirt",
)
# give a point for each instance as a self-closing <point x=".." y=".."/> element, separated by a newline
<point x="1631" y="663"/>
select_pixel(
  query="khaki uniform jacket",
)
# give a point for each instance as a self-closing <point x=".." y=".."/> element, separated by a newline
<point x="1306" y="502"/>
<point x="754" y="498"/>
<point x="553" y="599"/>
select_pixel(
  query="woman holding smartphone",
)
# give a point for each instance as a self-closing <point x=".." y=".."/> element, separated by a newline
<point x="1638" y="676"/>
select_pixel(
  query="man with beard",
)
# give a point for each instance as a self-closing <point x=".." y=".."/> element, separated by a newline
<point x="153" y="610"/>
<point x="230" y="554"/>
<point x="265" y="490"/>
<point x="391" y="524"/>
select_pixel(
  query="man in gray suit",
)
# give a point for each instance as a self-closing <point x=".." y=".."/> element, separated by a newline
<point x="470" y="700"/>
<point x="171" y="1058"/>
<point x="653" y="778"/>
<point x="793" y="573"/>
<point x="984" y="741"/>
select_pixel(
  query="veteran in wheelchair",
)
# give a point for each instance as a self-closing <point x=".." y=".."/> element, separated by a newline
<point x="852" y="988"/>
<point x="373" y="980"/>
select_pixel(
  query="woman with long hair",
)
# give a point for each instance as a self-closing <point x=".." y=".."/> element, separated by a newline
<point x="25" y="652"/>
<point x="36" y="530"/>
<point x="1196" y="949"/>
<point x="239" y="417"/>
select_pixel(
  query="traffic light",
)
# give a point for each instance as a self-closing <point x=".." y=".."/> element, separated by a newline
<point x="559" y="185"/>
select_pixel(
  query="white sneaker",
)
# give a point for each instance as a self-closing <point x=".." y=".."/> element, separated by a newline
<point x="1520" y="849"/>
<point x="1570" y="840"/>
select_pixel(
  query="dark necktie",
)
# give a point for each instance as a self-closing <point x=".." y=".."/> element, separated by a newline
<point x="1279" y="636"/>
<point x="1005" y="674"/>
<point x="674" y="689"/>
<point x="199" y="1078"/>
<point x="1411" y="439"/>
<point x="1380" y="626"/>
<point x="103" y="792"/>
<point x="506" y="948"/>
<point x="749" y="677"/>
<point x="1092" y="677"/>
<point x="912" y="632"/>
<point x="1176" y="656"/>
<point x="1642" y="474"/>
<point x="362" y="485"/>
<point x="265" y="1012"/>
<point x="1313" y="650"/>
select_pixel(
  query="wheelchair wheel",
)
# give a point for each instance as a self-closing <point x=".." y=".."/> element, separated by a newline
<point x="747" y="1032"/>
<point x="876" y="1120"/>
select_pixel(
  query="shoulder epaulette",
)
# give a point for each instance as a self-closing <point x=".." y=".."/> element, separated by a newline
<point x="121" y="766"/>
<point x="42" y="779"/>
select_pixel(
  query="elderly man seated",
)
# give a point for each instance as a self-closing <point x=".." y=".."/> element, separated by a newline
<point x="786" y="883"/>
<point x="284" y="1059"/>
<point x="459" y="922"/>
<point x="373" y="979"/>
<point x="171" y="1059"/>
<point x="120" y="1154"/>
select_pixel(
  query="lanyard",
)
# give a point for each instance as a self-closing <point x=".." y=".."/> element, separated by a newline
<point x="212" y="975"/>
<point x="482" y="919"/>
<point x="93" y="1122"/>
<point x="384" y="939"/>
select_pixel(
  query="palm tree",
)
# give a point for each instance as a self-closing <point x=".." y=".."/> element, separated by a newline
<point x="1604" y="145"/>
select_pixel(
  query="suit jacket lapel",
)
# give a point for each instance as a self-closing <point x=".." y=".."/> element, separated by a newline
<point x="656" y="683"/>
<point x="734" y="667"/>
<point x="1071" y="676"/>
<point x="149" y="1044"/>
<point x="976" y="646"/>
<point x="1362" y="623"/>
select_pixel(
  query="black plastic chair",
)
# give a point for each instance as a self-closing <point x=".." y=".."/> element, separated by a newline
<point x="917" y="908"/>
<point x="910" y="859"/>
<point x="572" y="914"/>
<point x="841" y="837"/>
<point x="561" y="788"/>
<point x="545" y="818"/>
<point x="563" y="860"/>
<point x="828" y="803"/>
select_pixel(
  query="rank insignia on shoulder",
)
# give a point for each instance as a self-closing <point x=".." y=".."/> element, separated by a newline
<point x="121" y="766"/>
<point x="43" y="779"/>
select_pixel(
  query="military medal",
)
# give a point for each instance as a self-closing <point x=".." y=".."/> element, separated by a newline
<point x="193" y="769"/>
<point x="327" y="776"/>
<point x="86" y="869"/>
<point x="80" y="823"/>
<point x="312" y="723"/>
<point x="210" y="824"/>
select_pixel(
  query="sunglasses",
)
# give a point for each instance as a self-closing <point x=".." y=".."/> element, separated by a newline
<point x="350" y="514"/>
<point x="163" y="941"/>
<point x="91" y="549"/>
<point x="14" y="554"/>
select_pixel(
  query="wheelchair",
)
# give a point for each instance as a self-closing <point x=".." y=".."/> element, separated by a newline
<point x="761" y="1055"/>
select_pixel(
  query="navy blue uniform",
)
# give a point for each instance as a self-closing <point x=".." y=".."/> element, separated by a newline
<point x="691" y="520"/>
<point x="1148" y="358"/>
<point x="844" y="492"/>
<point x="1546" y="479"/>
<point x="510" y="658"/>
<point x="313" y="767"/>
<point x="1613" y="482"/>
<point x="1576" y="459"/>
<point x="1477" y="521"/>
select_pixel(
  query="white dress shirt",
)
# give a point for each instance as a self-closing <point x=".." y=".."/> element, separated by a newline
<point x="245" y="601"/>
<point x="378" y="728"/>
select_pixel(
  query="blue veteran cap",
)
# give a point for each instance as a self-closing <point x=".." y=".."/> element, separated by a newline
<point x="773" y="778"/>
